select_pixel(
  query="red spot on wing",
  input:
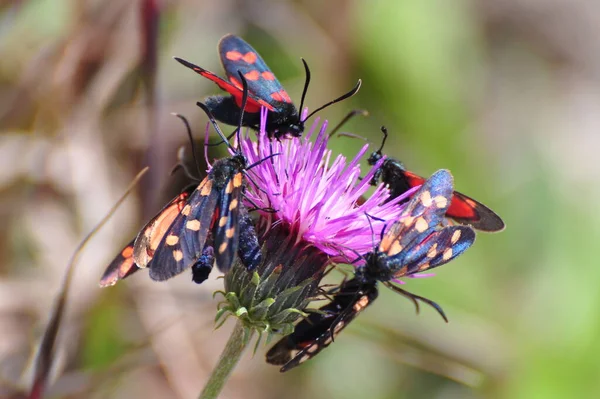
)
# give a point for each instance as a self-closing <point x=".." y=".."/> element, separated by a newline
<point x="268" y="75"/>
<point x="233" y="55"/>
<point x="253" y="105"/>
<point x="236" y="83"/>
<point x="252" y="75"/>
<point x="249" y="57"/>
<point x="285" y="96"/>
<point x="281" y="96"/>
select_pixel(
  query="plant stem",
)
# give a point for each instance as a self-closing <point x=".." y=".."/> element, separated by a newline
<point x="229" y="358"/>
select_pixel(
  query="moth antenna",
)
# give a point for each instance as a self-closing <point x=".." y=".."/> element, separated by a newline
<point x="415" y="298"/>
<point x="352" y="135"/>
<point x="191" y="138"/>
<point x="349" y="116"/>
<point x="385" y="136"/>
<point x="372" y="230"/>
<point x="306" y="83"/>
<point x="243" y="107"/>
<point x="352" y="92"/>
<point x="212" y="120"/>
<point x="360" y="257"/>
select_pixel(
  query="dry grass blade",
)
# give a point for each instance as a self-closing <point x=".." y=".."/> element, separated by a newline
<point x="43" y="362"/>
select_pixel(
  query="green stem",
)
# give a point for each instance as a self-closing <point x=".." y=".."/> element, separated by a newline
<point x="229" y="358"/>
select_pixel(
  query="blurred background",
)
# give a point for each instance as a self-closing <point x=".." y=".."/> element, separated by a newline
<point x="504" y="93"/>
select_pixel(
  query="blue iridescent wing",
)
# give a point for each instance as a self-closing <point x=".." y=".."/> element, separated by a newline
<point x="226" y="230"/>
<point x="438" y="248"/>
<point x="202" y="268"/>
<point x="249" y="247"/>
<point x="237" y="55"/>
<point x="422" y="214"/>
<point x="182" y="244"/>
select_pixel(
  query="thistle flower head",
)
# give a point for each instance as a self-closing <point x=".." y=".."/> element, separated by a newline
<point x="317" y="197"/>
<point x="311" y="213"/>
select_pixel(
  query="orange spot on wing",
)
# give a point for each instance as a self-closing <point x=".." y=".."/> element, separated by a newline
<point x="205" y="187"/>
<point x="237" y="179"/>
<point x="401" y="272"/>
<point x="229" y="187"/>
<point x="126" y="267"/>
<point x="163" y="222"/>
<point x="386" y="243"/>
<point x="223" y="247"/>
<point x="447" y="254"/>
<point x="127" y="252"/>
<point x="395" y="248"/>
<point x="252" y="75"/>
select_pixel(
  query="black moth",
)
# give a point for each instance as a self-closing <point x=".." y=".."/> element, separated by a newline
<point x="210" y="223"/>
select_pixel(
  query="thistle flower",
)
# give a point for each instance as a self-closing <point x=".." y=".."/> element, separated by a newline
<point x="318" y="200"/>
<point x="309" y="216"/>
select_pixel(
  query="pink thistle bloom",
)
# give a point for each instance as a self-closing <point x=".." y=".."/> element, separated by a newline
<point x="313" y="211"/>
<point x="317" y="198"/>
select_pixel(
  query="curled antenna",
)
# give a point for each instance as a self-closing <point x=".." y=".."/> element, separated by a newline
<point x="212" y="120"/>
<point x="385" y="136"/>
<point x="306" y="83"/>
<point x="358" y="254"/>
<point x="349" y="116"/>
<point x="352" y="92"/>
<point x="188" y="129"/>
<point x="415" y="298"/>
